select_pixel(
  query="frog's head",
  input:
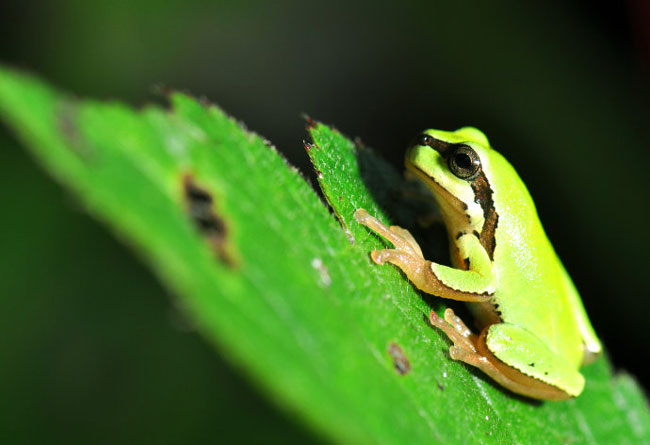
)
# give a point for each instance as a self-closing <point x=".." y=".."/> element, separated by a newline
<point x="453" y="165"/>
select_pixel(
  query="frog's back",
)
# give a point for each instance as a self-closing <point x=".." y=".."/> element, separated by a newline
<point x="530" y="290"/>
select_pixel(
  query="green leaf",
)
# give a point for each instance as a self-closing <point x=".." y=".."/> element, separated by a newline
<point x="269" y="276"/>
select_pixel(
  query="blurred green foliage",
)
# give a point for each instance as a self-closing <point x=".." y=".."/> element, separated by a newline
<point x="92" y="351"/>
<point x="555" y="85"/>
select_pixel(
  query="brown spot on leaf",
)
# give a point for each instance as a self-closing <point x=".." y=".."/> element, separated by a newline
<point x="401" y="363"/>
<point x="67" y="121"/>
<point x="201" y="209"/>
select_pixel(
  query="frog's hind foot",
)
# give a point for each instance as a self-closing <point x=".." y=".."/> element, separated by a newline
<point x="471" y="348"/>
<point x="464" y="347"/>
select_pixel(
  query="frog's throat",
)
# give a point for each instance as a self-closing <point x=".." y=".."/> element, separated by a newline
<point x="454" y="211"/>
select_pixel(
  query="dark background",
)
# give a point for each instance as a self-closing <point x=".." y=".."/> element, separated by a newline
<point x="91" y="348"/>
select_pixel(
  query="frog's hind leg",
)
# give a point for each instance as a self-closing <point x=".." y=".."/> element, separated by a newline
<point x="470" y="348"/>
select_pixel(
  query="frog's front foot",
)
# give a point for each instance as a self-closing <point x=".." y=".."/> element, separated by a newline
<point x="406" y="251"/>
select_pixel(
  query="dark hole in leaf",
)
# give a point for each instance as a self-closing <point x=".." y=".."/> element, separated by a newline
<point x="200" y="204"/>
<point x="401" y="363"/>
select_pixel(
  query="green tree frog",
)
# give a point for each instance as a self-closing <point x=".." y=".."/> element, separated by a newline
<point x="534" y="333"/>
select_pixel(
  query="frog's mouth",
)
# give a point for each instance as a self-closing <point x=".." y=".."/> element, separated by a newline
<point x="454" y="210"/>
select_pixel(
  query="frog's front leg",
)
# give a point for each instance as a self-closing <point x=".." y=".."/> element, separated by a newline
<point x="474" y="285"/>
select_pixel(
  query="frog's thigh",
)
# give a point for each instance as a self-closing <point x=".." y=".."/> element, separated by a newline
<point x="519" y="352"/>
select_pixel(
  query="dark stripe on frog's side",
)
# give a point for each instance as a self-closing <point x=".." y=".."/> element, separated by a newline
<point x="483" y="197"/>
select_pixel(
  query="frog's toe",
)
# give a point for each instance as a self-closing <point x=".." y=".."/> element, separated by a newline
<point x="457" y="353"/>
<point x="381" y="256"/>
<point x="457" y="323"/>
<point x="408" y="243"/>
<point x="463" y="339"/>
<point x="410" y="263"/>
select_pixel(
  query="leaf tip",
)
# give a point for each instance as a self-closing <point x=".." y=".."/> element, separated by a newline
<point x="308" y="146"/>
<point x="161" y="89"/>
<point x="310" y="123"/>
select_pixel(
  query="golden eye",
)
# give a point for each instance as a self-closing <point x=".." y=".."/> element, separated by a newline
<point x="464" y="162"/>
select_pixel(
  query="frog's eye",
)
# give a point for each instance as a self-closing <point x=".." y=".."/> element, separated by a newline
<point x="424" y="139"/>
<point x="464" y="162"/>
